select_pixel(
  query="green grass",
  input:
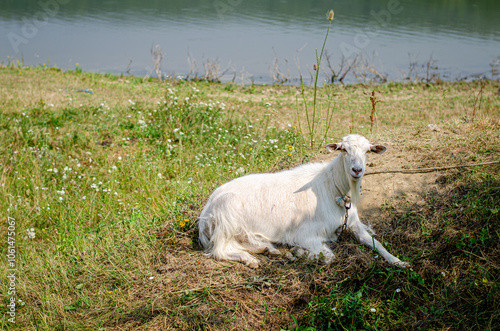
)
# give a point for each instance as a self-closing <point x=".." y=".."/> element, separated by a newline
<point x="112" y="183"/>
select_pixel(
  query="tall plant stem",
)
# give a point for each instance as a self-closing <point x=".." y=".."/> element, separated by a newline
<point x="318" y="63"/>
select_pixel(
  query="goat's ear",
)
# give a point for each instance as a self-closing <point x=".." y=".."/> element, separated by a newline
<point x="334" y="147"/>
<point x="379" y="149"/>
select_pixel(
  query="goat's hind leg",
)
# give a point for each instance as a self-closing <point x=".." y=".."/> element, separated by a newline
<point x="262" y="248"/>
<point x="234" y="252"/>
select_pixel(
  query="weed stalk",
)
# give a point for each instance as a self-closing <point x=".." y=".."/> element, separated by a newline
<point x="374" y="102"/>
<point x="311" y="118"/>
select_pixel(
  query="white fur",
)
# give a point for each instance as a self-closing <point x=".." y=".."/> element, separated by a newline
<point x="293" y="207"/>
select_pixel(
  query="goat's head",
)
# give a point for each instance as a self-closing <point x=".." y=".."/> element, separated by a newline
<point x="354" y="149"/>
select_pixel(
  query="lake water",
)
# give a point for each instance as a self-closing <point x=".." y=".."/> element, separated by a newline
<point x="254" y="40"/>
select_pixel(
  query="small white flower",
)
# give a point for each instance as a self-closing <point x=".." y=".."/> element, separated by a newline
<point x="160" y="176"/>
<point x="398" y="290"/>
<point x="31" y="233"/>
<point x="373" y="310"/>
<point x="61" y="198"/>
<point x="240" y="171"/>
<point x="151" y="277"/>
<point x="443" y="273"/>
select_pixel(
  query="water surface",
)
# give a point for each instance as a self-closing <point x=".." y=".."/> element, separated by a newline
<point x="248" y="40"/>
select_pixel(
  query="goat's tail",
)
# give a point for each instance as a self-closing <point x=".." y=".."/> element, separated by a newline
<point x="220" y="225"/>
<point x="222" y="231"/>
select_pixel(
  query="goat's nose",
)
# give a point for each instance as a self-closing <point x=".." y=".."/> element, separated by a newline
<point x="357" y="170"/>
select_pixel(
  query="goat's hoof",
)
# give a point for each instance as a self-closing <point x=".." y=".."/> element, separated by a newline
<point x="298" y="251"/>
<point x="402" y="264"/>
<point x="290" y="257"/>
<point x="272" y="251"/>
<point x="253" y="263"/>
<point x="327" y="259"/>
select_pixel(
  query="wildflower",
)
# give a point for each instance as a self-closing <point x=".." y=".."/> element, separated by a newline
<point x="31" y="233"/>
<point x="373" y="310"/>
<point x="330" y="15"/>
<point x="398" y="290"/>
<point x="160" y="176"/>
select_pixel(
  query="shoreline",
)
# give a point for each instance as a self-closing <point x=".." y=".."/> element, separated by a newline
<point x="417" y="73"/>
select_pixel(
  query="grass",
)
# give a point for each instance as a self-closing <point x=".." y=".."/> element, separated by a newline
<point x="111" y="182"/>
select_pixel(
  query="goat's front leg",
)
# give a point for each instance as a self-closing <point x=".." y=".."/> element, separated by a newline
<point x="362" y="234"/>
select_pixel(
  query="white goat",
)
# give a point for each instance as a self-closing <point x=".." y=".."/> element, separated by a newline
<point x="294" y="207"/>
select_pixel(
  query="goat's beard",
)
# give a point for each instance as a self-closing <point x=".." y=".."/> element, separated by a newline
<point x="355" y="186"/>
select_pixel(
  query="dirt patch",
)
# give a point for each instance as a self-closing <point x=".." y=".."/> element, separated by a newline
<point x="380" y="190"/>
